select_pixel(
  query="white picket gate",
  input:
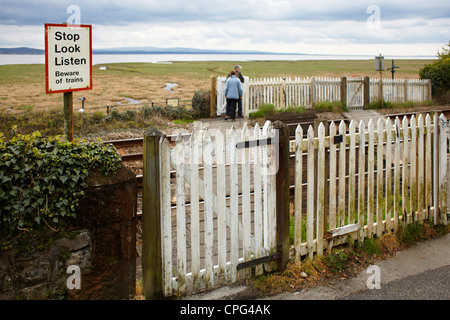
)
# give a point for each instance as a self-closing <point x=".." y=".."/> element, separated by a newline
<point x="377" y="180"/>
<point x="214" y="197"/>
<point x="217" y="207"/>
<point x="355" y="93"/>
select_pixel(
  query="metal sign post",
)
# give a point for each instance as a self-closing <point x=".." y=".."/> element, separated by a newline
<point x="393" y="69"/>
<point x="68" y="64"/>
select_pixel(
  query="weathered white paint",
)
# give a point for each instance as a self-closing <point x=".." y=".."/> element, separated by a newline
<point x="398" y="153"/>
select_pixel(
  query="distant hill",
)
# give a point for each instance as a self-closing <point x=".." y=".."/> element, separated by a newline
<point x="177" y="50"/>
<point x="21" y="50"/>
<point x="142" y="50"/>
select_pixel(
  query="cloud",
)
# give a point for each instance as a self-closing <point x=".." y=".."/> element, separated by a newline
<point x="114" y="12"/>
<point x="273" y="25"/>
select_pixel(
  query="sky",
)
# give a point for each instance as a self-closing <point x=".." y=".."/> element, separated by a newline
<point x="391" y="27"/>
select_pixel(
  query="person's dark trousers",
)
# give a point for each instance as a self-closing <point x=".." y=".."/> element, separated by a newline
<point x="239" y="107"/>
<point x="232" y="108"/>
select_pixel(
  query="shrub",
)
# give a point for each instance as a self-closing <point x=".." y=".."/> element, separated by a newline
<point x="439" y="73"/>
<point x="201" y="104"/>
<point x="377" y="105"/>
<point x="264" y="110"/>
<point x="335" y="106"/>
<point x="43" y="179"/>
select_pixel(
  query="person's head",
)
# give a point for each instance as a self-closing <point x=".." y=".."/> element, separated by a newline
<point x="232" y="73"/>
<point x="238" y="68"/>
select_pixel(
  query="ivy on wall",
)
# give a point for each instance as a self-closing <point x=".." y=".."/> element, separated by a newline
<point x="43" y="179"/>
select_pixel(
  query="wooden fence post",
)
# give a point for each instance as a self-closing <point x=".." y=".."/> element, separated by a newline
<point x="366" y="86"/>
<point x="282" y="194"/>
<point x="151" y="217"/>
<point x="344" y="90"/>
<point x="429" y="91"/>
<point x="213" y="98"/>
<point x="313" y="83"/>
<point x="68" y="115"/>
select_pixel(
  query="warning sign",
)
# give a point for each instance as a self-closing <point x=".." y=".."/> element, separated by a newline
<point x="68" y="57"/>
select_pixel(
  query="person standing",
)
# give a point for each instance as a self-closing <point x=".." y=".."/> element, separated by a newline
<point x="239" y="75"/>
<point x="233" y="92"/>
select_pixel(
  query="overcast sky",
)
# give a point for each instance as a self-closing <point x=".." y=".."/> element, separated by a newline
<point x="391" y="27"/>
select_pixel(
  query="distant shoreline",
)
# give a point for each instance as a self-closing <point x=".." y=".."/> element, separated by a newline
<point x="189" y="51"/>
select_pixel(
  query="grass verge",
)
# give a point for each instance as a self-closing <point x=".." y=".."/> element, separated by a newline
<point x="51" y="123"/>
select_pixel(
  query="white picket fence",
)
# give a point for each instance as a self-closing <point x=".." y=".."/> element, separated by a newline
<point x="217" y="206"/>
<point x="306" y="91"/>
<point x="368" y="181"/>
<point x="401" y="90"/>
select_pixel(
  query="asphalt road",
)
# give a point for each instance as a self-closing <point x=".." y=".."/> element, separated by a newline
<point x="418" y="273"/>
<point x="429" y="285"/>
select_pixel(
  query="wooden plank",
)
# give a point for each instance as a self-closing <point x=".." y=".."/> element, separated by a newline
<point x="420" y="169"/>
<point x="352" y="174"/>
<point x="298" y="191"/>
<point x="270" y="175"/>
<point x="311" y="193"/>
<point x="320" y="189"/>
<point x="380" y="195"/>
<point x="405" y="172"/>
<point x="181" y="215"/>
<point x="332" y="186"/>
<point x="443" y="181"/>
<point x="208" y="210"/>
<point x="436" y="168"/>
<point x="413" y="170"/>
<point x="195" y="208"/>
<point x="428" y="166"/>
<point x="234" y="185"/>
<point x="342" y="194"/>
<point x="221" y="206"/>
<point x="166" y="216"/>
<point x="349" y="228"/>
<point x="258" y="212"/>
<point x="246" y="214"/>
<point x="361" y="182"/>
<point x="388" y="186"/>
<point x="370" y="179"/>
<point x="397" y="173"/>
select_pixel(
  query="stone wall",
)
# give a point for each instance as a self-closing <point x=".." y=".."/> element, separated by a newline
<point x="101" y="242"/>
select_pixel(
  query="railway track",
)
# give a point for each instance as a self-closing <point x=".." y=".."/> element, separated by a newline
<point x="125" y="143"/>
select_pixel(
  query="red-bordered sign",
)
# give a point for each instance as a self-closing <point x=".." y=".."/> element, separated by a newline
<point x="68" y="57"/>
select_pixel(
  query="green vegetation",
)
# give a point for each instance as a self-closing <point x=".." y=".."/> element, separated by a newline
<point x="269" y="109"/>
<point x="325" y="106"/>
<point x="85" y="124"/>
<point x="264" y="110"/>
<point x="439" y="73"/>
<point x="44" y="179"/>
<point x="399" y="105"/>
<point x="335" y="106"/>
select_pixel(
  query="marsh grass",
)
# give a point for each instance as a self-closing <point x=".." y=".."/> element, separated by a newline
<point x="25" y="84"/>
